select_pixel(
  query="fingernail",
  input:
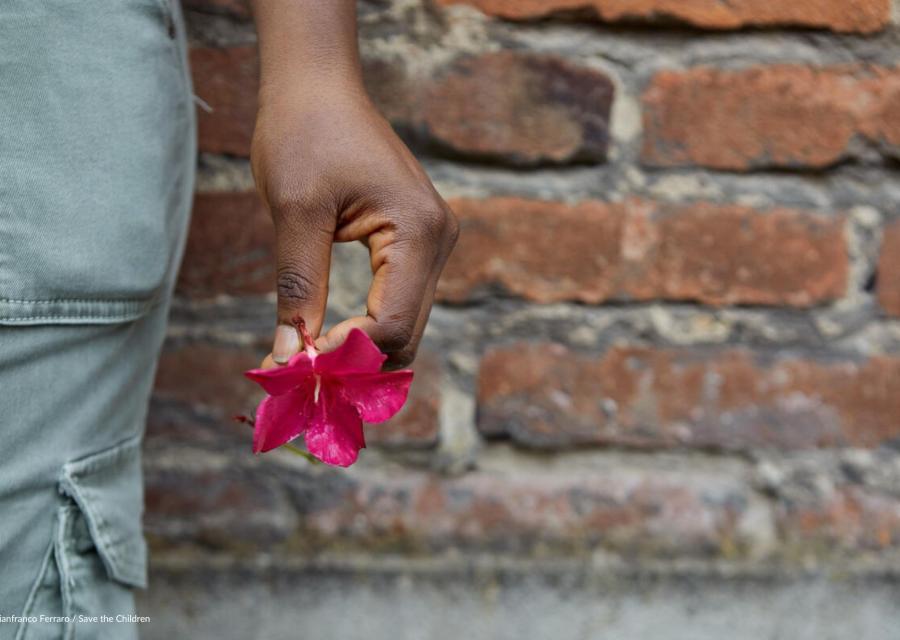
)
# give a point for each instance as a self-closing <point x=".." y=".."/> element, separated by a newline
<point x="287" y="343"/>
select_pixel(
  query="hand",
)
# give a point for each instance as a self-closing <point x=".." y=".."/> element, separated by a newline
<point x="331" y="169"/>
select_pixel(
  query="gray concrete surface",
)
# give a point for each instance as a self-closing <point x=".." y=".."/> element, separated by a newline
<point x="401" y="606"/>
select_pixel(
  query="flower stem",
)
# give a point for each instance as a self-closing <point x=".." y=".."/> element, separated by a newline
<point x="295" y="450"/>
<point x="301" y="453"/>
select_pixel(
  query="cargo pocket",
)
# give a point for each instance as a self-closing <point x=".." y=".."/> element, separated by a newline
<point x="105" y="510"/>
<point x="100" y="550"/>
<point x="98" y="554"/>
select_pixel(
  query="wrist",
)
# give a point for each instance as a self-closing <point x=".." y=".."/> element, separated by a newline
<point x="302" y="93"/>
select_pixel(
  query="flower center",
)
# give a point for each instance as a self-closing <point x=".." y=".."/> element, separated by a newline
<point x="308" y="342"/>
<point x="310" y="346"/>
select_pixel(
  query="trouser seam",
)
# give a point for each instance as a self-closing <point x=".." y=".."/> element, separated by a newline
<point x="32" y="593"/>
<point x="65" y="574"/>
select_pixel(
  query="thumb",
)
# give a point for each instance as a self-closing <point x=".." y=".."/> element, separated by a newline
<point x="304" y="261"/>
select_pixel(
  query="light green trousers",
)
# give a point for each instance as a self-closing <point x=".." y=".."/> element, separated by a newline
<point x="97" y="153"/>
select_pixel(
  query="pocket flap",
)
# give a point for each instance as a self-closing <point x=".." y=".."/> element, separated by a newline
<point x="107" y="486"/>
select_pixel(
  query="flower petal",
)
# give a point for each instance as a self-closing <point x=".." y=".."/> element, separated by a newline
<point x="280" y="419"/>
<point x="279" y="380"/>
<point x="377" y="396"/>
<point x="335" y="433"/>
<point x="358" y="354"/>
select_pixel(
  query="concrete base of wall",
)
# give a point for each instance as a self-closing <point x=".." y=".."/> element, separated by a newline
<point x="402" y="605"/>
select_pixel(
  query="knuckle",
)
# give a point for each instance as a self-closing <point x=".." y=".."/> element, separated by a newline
<point x="452" y="230"/>
<point x="433" y="219"/>
<point x="294" y="287"/>
<point x="439" y="224"/>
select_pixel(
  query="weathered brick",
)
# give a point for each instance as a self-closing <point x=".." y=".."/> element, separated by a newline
<point x="417" y="425"/>
<point x="687" y="513"/>
<point x="395" y="91"/>
<point x="174" y="425"/>
<point x="847" y="518"/>
<point x="521" y="107"/>
<point x="227" y="80"/>
<point x="625" y="509"/>
<point x="889" y="270"/>
<point x="544" y="396"/>
<point x="788" y="116"/>
<point x="594" y="251"/>
<point x="231" y="510"/>
<point x="859" y="16"/>
<point x="209" y="377"/>
<point x="230" y="248"/>
<point x="834" y="501"/>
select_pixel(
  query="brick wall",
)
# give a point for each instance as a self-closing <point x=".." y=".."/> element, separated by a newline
<point x="670" y="333"/>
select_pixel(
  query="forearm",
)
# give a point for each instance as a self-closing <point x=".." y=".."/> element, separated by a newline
<point x="330" y="169"/>
<point x="307" y="45"/>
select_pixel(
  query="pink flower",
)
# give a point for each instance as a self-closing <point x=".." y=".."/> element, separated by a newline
<point x="326" y="397"/>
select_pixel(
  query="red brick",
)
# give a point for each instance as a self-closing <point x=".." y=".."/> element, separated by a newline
<point x="417" y="425"/>
<point x="663" y="513"/>
<point x="230" y="248"/>
<point x="521" y="107"/>
<point x="199" y="390"/>
<point x="209" y="377"/>
<point x="889" y="270"/>
<point x="625" y="509"/>
<point x="859" y="16"/>
<point x="232" y="509"/>
<point x="173" y="425"/>
<point x="227" y="80"/>
<point x="544" y="396"/>
<point x="594" y="251"/>
<point x="788" y="116"/>
<point x="393" y="89"/>
<point x="849" y="518"/>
